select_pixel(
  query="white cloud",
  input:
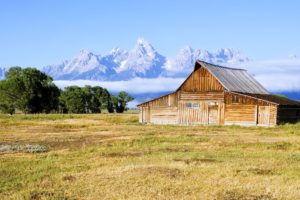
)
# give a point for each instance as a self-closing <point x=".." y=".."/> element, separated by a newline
<point x="275" y="75"/>
<point x="280" y="82"/>
<point x="133" y="86"/>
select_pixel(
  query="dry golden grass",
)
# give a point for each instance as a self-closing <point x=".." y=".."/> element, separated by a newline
<point x="112" y="156"/>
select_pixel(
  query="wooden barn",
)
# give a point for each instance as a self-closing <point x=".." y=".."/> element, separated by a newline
<point x="220" y="96"/>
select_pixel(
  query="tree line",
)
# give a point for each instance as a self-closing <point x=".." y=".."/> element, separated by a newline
<point x="32" y="91"/>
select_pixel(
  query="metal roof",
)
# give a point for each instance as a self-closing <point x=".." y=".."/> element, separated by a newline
<point x="274" y="99"/>
<point x="155" y="98"/>
<point x="233" y="79"/>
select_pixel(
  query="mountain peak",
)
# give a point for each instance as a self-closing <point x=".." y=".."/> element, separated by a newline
<point x="225" y="51"/>
<point x="229" y="55"/>
<point x="117" y="51"/>
<point x="142" y="60"/>
<point x="142" y="49"/>
<point x="142" y="41"/>
<point x="187" y="49"/>
<point x="143" y="45"/>
<point x="84" y="52"/>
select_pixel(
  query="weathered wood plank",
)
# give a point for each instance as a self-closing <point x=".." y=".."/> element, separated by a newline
<point x="201" y="80"/>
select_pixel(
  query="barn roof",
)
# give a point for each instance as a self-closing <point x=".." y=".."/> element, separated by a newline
<point x="283" y="101"/>
<point x="156" y="98"/>
<point x="233" y="79"/>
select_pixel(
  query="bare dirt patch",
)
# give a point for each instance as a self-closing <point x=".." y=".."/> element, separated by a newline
<point x="69" y="178"/>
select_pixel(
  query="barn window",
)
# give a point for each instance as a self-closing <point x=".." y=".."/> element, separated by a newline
<point x="188" y="105"/>
<point x="235" y="99"/>
<point x="196" y="105"/>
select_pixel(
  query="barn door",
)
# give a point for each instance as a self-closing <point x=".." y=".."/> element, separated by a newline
<point x="263" y="115"/>
<point x="190" y="113"/>
<point x="213" y="114"/>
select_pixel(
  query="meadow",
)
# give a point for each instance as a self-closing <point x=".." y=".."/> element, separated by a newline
<point x="112" y="156"/>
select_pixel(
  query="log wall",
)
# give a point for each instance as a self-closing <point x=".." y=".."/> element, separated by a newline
<point x="249" y="111"/>
<point x="240" y="114"/>
<point x="201" y="80"/>
<point x="217" y="96"/>
<point x="203" y="112"/>
<point x="192" y="115"/>
<point x="164" y="115"/>
<point x="162" y="110"/>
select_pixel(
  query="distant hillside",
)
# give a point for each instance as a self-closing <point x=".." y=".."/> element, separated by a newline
<point x="292" y="95"/>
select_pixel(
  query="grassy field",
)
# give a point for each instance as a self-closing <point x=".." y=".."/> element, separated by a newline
<point x="112" y="156"/>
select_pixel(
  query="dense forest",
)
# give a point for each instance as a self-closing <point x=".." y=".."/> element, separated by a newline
<point x="32" y="91"/>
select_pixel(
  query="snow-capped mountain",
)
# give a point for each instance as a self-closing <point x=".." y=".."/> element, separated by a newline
<point x="182" y="64"/>
<point x="114" y="58"/>
<point x="229" y="55"/>
<point x="85" y="65"/>
<point x="142" y="61"/>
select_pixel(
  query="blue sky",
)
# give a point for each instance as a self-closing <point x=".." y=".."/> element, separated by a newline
<point x="37" y="33"/>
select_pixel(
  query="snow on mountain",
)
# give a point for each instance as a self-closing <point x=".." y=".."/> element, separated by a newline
<point x="85" y="65"/>
<point x="84" y="62"/>
<point x="181" y="64"/>
<point x="114" y="58"/>
<point x="184" y="62"/>
<point x="204" y="55"/>
<point x="229" y="55"/>
<point x="142" y="61"/>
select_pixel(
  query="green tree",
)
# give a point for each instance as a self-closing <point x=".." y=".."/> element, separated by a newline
<point x="121" y="100"/>
<point x="85" y="100"/>
<point x="73" y="99"/>
<point x="6" y="105"/>
<point x="28" y="90"/>
<point x="110" y="105"/>
<point x="88" y="96"/>
<point x="96" y="100"/>
<point x="104" y="98"/>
